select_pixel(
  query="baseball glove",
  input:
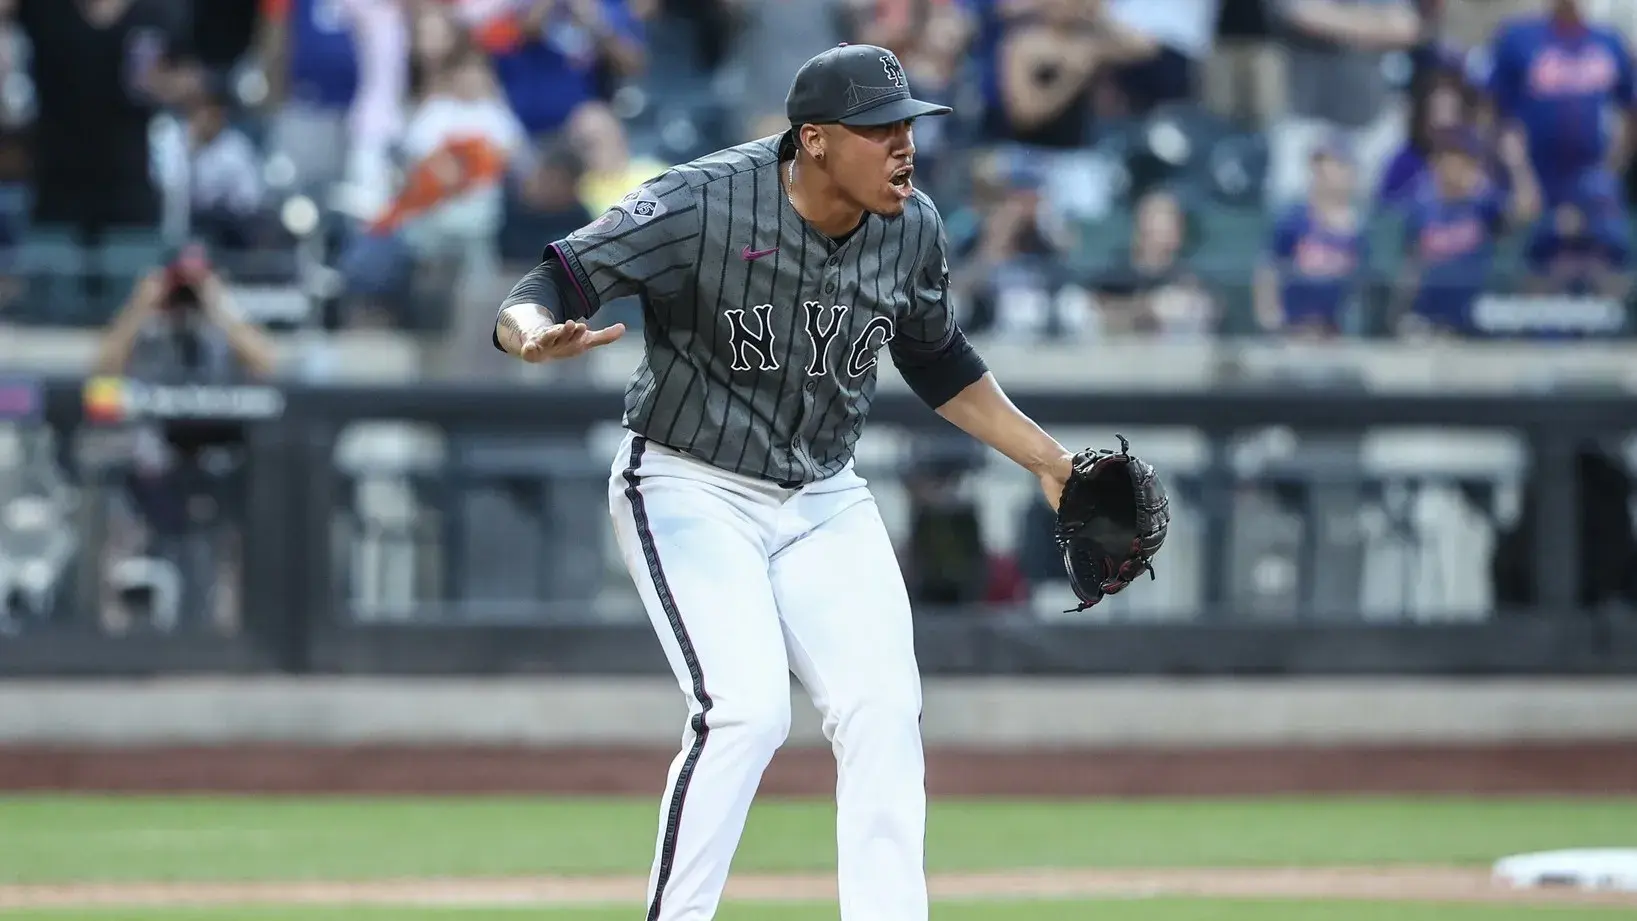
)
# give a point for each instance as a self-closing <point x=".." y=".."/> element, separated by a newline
<point x="1111" y="520"/>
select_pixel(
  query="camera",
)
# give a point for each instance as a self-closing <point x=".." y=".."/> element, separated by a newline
<point x="183" y="273"/>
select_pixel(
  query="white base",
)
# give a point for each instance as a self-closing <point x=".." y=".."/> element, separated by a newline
<point x="1607" y="868"/>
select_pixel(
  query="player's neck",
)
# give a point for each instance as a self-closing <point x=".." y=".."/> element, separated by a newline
<point x="818" y="201"/>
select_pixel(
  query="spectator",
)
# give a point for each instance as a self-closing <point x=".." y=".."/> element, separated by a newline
<point x="1451" y="232"/>
<point x="224" y="175"/>
<point x="947" y="561"/>
<point x="1335" y="52"/>
<point x="770" y="39"/>
<point x="336" y="88"/>
<point x="437" y="39"/>
<point x="1007" y="273"/>
<point x="311" y="60"/>
<point x="179" y="328"/>
<point x="1440" y="101"/>
<point x="610" y="171"/>
<point x="460" y="144"/>
<point x="101" y="68"/>
<point x="1308" y="284"/>
<point x="929" y="37"/>
<point x="223" y="31"/>
<point x="552" y="56"/>
<point x="381" y="35"/>
<point x="1176" y="40"/>
<point x="1041" y="81"/>
<point x="1582" y="247"/>
<point x="545" y="206"/>
<point x="1151" y="289"/>
<point x="1559" y="78"/>
<point x="1244" y="77"/>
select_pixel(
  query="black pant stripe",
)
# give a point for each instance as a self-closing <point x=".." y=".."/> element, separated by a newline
<point x="662" y="588"/>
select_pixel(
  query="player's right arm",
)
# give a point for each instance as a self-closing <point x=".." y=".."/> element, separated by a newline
<point x="647" y="244"/>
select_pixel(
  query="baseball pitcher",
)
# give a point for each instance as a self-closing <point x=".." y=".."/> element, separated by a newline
<point x="772" y="276"/>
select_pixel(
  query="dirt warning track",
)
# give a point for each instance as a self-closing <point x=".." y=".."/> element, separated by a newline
<point x="1423" y="884"/>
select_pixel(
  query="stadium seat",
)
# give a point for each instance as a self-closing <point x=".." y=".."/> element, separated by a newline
<point x="53" y="265"/>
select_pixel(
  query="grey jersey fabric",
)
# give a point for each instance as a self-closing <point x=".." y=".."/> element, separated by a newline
<point x="762" y="334"/>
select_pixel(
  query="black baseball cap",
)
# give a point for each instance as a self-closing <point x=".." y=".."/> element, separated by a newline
<point x="854" y="85"/>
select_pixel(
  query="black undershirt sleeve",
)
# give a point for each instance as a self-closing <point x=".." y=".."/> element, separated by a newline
<point x="546" y="285"/>
<point x="937" y="377"/>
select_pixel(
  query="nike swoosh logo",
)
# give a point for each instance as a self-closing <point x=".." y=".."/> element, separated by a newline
<point x="751" y="255"/>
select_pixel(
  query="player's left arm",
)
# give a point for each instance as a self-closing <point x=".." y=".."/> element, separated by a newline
<point x="943" y="369"/>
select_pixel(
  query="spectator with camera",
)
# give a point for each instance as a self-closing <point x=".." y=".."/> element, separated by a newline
<point x="184" y="481"/>
<point x="179" y="327"/>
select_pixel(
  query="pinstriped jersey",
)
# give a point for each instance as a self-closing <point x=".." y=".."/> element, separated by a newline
<point x="762" y="334"/>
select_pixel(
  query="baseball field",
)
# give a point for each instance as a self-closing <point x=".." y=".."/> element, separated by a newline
<point x="443" y="858"/>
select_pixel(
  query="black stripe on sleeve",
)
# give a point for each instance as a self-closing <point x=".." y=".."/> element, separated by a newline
<point x="690" y="658"/>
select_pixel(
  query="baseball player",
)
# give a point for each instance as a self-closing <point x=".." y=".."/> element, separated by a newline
<point x="772" y="275"/>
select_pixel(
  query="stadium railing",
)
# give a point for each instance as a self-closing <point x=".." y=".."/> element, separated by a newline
<point x="463" y="529"/>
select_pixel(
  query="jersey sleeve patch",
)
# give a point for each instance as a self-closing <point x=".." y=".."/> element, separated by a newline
<point x="643" y="206"/>
<point x="609" y="220"/>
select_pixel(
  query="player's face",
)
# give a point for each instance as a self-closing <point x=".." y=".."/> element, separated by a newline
<point x="872" y="165"/>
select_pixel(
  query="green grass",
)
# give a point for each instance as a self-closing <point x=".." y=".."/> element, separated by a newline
<point x="1110" y="910"/>
<point x="53" y="838"/>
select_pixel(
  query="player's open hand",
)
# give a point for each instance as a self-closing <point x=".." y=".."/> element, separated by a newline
<point x="566" y="340"/>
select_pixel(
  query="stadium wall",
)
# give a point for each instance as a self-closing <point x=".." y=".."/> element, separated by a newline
<point x="994" y="713"/>
<point x="1013" y="737"/>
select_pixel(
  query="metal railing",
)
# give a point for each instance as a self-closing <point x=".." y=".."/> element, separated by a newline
<point x="460" y="529"/>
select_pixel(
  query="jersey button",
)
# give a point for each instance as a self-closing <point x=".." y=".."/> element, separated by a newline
<point x="834" y="261"/>
<point x="829" y="287"/>
<point x="809" y="386"/>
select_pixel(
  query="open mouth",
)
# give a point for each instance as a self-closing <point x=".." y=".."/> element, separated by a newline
<point x="900" y="180"/>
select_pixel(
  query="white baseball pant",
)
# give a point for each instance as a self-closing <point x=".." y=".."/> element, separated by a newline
<point x="746" y="582"/>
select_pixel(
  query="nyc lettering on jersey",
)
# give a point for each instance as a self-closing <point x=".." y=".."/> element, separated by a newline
<point x="822" y="326"/>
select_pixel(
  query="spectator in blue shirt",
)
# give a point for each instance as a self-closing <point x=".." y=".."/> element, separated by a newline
<point x="553" y="55"/>
<point x="1441" y="99"/>
<point x="1558" y="77"/>
<point x="1451" y="230"/>
<point x="1308" y="281"/>
<point x="1582" y="247"/>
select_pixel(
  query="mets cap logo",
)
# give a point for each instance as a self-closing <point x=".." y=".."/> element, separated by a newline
<point x="895" y="70"/>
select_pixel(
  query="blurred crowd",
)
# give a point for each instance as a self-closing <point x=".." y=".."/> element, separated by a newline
<point x="181" y="175"/>
<point x="1178" y="168"/>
